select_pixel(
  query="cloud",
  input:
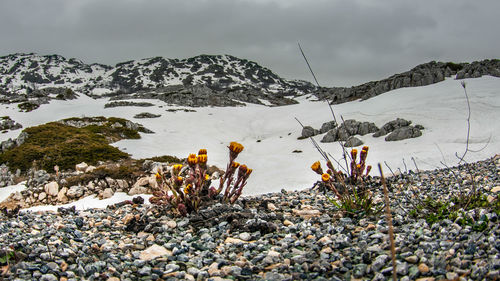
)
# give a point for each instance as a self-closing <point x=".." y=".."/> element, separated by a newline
<point x="347" y="42"/>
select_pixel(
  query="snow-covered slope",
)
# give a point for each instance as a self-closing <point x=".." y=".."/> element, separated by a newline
<point x="269" y="134"/>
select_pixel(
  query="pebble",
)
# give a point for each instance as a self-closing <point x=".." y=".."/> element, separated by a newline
<point x="298" y="236"/>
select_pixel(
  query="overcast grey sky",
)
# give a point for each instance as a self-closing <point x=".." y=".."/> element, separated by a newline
<point x="347" y="42"/>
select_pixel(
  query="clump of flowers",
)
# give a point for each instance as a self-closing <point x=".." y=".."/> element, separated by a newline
<point x="187" y="188"/>
<point x="349" y="189"/>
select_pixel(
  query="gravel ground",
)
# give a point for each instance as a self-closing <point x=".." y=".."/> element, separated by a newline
<point x="280" y="236"/>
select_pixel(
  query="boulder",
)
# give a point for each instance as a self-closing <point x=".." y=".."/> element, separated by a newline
<point x="403" y="133"/>
<point x="327" y="126"/>
<point x="367" y="128"/>
<point x="352" y="142"/>
<point x="52" y="188"/>
<point x="391" y="126"/>
<point x="331" y="136"/>
<point x="308" y="131"/>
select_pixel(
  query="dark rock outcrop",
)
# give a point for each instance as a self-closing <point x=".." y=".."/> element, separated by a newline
<point x="424" y="74"/>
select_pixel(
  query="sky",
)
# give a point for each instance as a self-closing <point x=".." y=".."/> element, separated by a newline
<point x="346" y="42"/>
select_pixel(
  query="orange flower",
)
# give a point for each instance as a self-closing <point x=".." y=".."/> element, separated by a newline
<point x="235" y="164"/>
<point x="202" y="152"/>
<point x="249" y="171"/>
<point x="316" y="166"/>
<point x="325" y="177"/>
<point x="207" y="177"/>
<point x="158" y="176"/>
<point x="354" y="153"/>
<point x="202" y="158"/>
<point x="365" y="148"/>
<point x="235" y="147"/>
<point x="179" y="181"/>
<point x="192" y="159"/>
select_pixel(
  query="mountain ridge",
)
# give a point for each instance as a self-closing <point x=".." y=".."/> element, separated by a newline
<point x="204" y="80"/>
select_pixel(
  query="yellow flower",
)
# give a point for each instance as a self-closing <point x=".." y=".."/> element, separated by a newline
<point x="325" y="177"/>
<point x="316" y="166"/>
<point x="202" y="152"/>
<point x="249" y="171"/>
<point x="202" y="158"/>
<point x="187" y="189"/>
<point x="365" y="148"/>
<point x="192" y="159"/>
<point x="235" y="164"/>
<point x="207" y="177"/>
<point x="235" y="147"/>
<point x="176" y="168"/>
<point x="158" y="176"/>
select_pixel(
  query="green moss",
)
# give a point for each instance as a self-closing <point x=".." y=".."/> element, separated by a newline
<point x="165" y="159"/>
<point x="58" y="144"/>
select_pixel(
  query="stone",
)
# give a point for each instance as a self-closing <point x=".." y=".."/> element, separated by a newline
<point x="90" y="169"/>
<point x="495" y="189"/>
<point x="171" y="224"/>
<point x="245" y="236"/>
<point x="61" y="196"/>
<point x="379" y="262"/>
<point x="137" y="190"/>
<point x="107" y="193"/>
<point x="52" y="188"/>
<point x="142" y="182"/>
<point x="306" y="214"/>
<point x="423" y="268"/>
<point x="82" y="167"/>
<point x="42" y="196"/>
<point x="231" y="240"/>
<point x="391" y="126"/>
<point x="75" y="191"/>
<point x="154" y="252"/>
<point x="287" y="223"/>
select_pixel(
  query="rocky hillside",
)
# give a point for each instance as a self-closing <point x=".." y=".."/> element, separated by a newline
<point x="205" y="80"/>
<point x="424" y="74"/>
<point x="223" y="78"/>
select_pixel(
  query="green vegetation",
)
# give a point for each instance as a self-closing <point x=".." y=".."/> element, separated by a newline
<point x="126" y="170"/>
<point x="436" y="210"/>
<point x="27" y="106"/>
<point x="58" y="143"/>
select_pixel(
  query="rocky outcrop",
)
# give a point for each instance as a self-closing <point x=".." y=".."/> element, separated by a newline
<point x="127" y="103"/>
<point x="391" y="126"/>
<point x="11" y="143"/>
<point x="424" y="74"/>
<point x="7" y="124"/>
<point x="349" y="128"/>
<point x="143" y="115"/>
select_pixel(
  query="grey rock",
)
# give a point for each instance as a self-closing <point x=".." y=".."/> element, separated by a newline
<point x="327" y="126"/>
<point x="403" y="133"/>
<point x="353" y="142"/>
<point x="308" y="131"/>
